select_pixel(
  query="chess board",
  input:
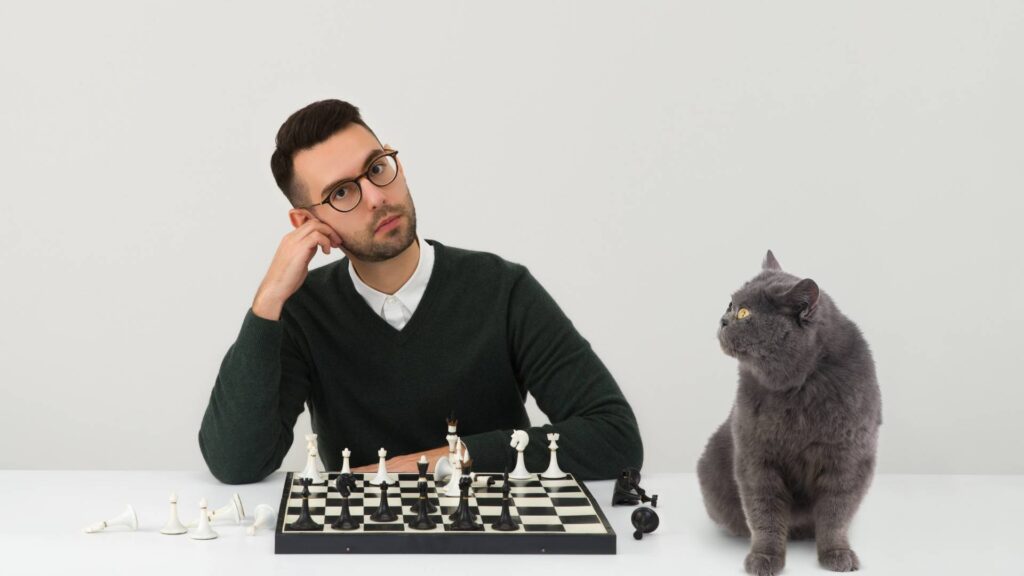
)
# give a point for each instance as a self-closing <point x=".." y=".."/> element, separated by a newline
<point x="555" y="517"/>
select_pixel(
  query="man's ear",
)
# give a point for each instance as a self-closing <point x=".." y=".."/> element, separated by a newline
<point x="299" y="216"/>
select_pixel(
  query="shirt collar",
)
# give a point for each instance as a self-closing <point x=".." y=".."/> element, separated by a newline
<point x="410" y="293"/>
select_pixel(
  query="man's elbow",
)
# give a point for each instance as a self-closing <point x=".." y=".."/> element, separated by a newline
<point x="229" y="471"/>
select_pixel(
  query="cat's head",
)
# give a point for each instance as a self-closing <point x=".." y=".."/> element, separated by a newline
<point x="771" y="325"/>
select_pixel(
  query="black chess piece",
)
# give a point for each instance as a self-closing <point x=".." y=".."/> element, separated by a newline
<point x="628" y="491"/>
<point x="345" y="485"/>
<point x="505" y="522"/>
<point x="423" y="521"/>
<point x="384" y="512"/>
<point x="644" y="520"/>
<point x="415" y="508"/>
<point x="463" y="517"/>
<point x="305" y="520"/>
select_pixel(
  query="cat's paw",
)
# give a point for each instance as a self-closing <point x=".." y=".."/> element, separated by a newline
<point x="840" y="560"/>
<point x="764" y="564"/>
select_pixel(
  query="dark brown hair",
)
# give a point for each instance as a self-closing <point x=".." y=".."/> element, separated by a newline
<point x="304" y="129"/>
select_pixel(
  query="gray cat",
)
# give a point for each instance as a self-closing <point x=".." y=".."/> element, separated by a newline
<point x="797" y="454"/>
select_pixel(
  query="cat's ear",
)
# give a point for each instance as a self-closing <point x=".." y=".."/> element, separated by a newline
<point x="803" y="298"/>
<point x="770" y="263"/>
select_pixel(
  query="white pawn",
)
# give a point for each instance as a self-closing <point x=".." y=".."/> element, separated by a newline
<point x="382" y="470"/>
<point x="345" y="468"/>
<point x="520" y="439"/>
<point x="204" y="531"/>
<point x="127" y="518"/>
<point x="263" y="515"/>
<point x="174" y="525"/>
<point x="553" y="470"/>
<point x="232" y="510"/>
<point x="312" y="469"/>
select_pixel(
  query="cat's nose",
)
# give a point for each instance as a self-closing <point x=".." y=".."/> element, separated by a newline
<point x="724" y="321"/>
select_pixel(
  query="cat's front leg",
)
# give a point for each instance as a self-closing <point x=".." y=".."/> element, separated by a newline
<point x="767" y="505"/>
<point x="839" y="495"/>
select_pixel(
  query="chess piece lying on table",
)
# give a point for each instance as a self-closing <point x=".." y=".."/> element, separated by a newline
<point x="645" y="521"/>
<point x="628" y="490"/>
<point x="128" y="518"/>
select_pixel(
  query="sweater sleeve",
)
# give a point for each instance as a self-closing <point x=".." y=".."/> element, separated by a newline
<point x="258" y="395"/>
<point x="599" y="435"/>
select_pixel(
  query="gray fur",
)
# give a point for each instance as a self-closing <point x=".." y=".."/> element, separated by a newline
<point x="797" y="454"/>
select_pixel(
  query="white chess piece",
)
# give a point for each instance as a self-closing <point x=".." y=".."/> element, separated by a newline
<point x="264" y="514"/>
<point x="204" y="531"/>
<point x="312" y="469"/>
<point x="128" y="518"/>
<point x="382" y="470"/>
<point x="444" y="469"/>
<point x="461" y="456"/>
<point x="232" y="510"/>
<point x="553" y="470"/>
<point x="520" y="439"/>
<point x="345" y="455"/>
<point x="174" y="525"/>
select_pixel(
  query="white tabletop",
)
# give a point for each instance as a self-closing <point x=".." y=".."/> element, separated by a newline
<point x="908" y="524"/>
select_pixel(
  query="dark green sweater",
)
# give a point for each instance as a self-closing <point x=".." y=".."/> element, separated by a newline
<point x="483" y="336"/>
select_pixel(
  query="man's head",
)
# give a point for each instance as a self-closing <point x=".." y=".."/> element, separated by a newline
<point x="325" y="143"/>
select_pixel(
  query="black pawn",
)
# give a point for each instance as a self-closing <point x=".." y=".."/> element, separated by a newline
<point x="645" y="521"/>
<point x="383" y="513"/>
<point x="305" y="521"/>
<point x="463" y="517"/>
<point x="423" y="520"/>
<point x="345" y="521"/>
<point x="505" y="522"/>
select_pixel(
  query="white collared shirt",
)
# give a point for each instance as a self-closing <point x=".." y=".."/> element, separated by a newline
<point x="398" y="308"/>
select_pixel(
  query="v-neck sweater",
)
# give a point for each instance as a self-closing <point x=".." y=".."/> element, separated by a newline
<point x="484" y="335"/>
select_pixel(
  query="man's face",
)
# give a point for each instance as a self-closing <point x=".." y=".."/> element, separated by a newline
<point x="344" y="156"/>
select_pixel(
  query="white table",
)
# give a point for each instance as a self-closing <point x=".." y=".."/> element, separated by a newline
<point x="909" y="524"/>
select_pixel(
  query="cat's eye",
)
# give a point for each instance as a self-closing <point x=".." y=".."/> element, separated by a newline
<point x="743" y="313"/>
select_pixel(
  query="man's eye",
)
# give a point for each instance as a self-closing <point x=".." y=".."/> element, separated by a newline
<point x="377" y="168"/>
<point x="340" y="192"/>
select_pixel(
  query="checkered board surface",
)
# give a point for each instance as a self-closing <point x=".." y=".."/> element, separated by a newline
<point x="555" y="517"/>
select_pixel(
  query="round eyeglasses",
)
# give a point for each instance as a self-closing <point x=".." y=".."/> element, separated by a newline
<point x="346" y="195"/>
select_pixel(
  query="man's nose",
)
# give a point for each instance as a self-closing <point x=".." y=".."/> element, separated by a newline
<point x="373" y="195"/>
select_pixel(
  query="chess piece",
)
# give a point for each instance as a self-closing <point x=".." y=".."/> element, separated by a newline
<point x="345" y="467"/>
<point x="423" y="521"/>
<point x="520" y="439"/>
<point x="264" y="515"/>
<point x="553" y="472"/>
<point x="505" y="522"/>
<point x="232" y="511"/>
<point x="463" y="518"/>
<point x="345" y="521"/>
<point x="203" y="531"/>
<point x="305" y="520"/>
<point x="384" y="512"/>
<point x="382" y="469"/>
<point x="128" y="518"/>
<point x="628" y="491"/>
<point x="313" y="466"/>
<point x="644" y="520"/>
<point x="452" y="488"/>
<point x="173" y="525"/>
<point x="421" y="466"/>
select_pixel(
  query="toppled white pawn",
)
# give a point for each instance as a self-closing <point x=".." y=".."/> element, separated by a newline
<point x="174" y="525"/>
<point x="345" y="468"/>
<point x="264" y="514"/>
<point x="520" y="439"/>
<point x="204" y="531"/>
<point x="553" y="471"/>
<point x="382" y="470"/>
<point x="128" y="518"/>
<point x="231" y="511"/>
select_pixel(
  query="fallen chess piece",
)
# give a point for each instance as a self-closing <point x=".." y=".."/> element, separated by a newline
<point x="128" y="519"/>
<point x="628" y="491"/>
<point x="264" y="515"/>
<point x="174" y="525"/>
<point x="204" y="531"/>
<point x="645" y="521"/>
<point x="233" y="511"/>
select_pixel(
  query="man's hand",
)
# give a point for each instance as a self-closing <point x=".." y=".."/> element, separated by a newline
<point x="407" y="462"/>
<point x="290" y="266"/>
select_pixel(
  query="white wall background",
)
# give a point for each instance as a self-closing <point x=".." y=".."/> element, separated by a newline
<point x="639" y="157"/>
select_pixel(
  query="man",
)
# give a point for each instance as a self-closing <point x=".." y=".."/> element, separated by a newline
<point x="384" y="344"/>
